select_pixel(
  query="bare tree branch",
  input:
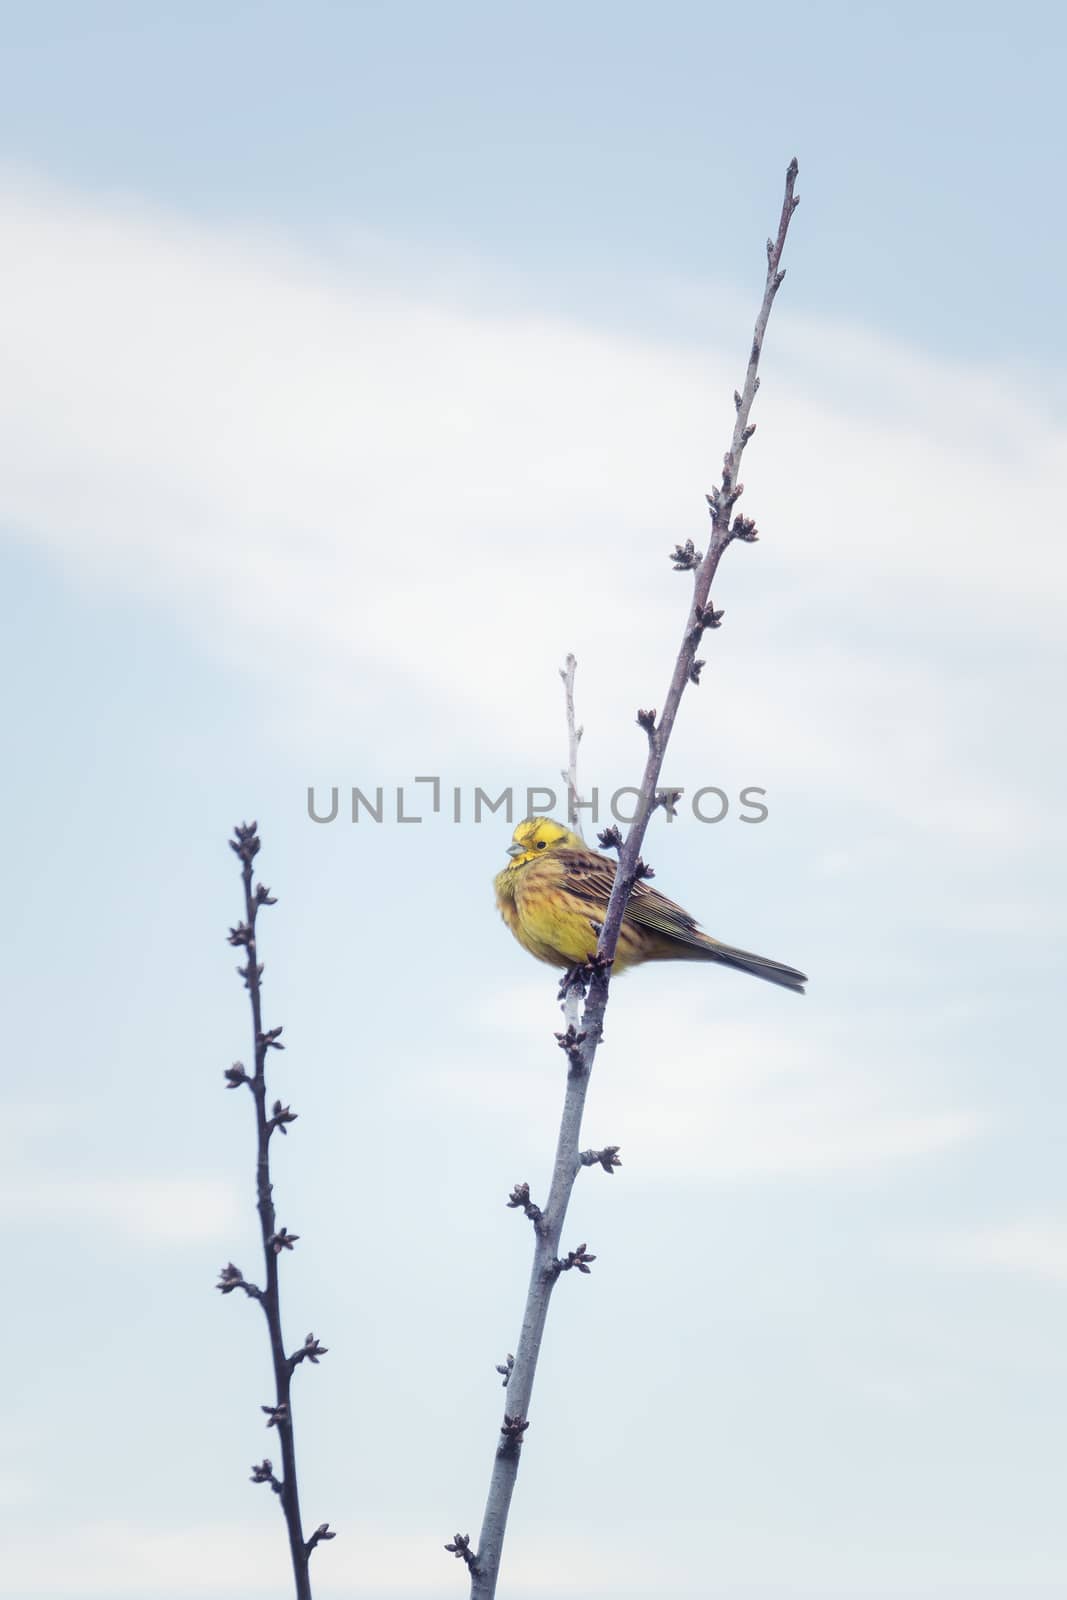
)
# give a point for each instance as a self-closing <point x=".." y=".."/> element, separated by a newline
<point x="246" y="846"/>
<point x="583" y="1035"/>
<point x="574" y="739"/>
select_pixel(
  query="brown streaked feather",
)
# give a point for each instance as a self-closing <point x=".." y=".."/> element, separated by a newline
<point x="592" y="877"/>
<point x="554" y="905"/>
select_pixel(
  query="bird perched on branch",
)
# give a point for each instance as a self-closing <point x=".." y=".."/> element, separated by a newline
<point x="553" y="895"/>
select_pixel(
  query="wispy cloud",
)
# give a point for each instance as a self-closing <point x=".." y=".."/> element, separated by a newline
<point x="1035" y="1248"/>
<point x="149" y="1209"/>
<point x="703" y="1097"/>
<point x="374" y="483"/>
<point x="98" y="1560"/>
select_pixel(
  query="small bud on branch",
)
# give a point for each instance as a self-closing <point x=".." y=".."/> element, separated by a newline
<point x="579" y="1258"/>
<point x="572" y="1042"/>
<point x="686" y="556"/>
<point x="461" y="1549"/>
<point x="310" y="1350"/>
<point x="280" y="1115"/>
<point x="245" y="844"/>
<point x="323" y="1531"/>
<point x="505" y="1371"/>
<point x="608" y="1158"/>
<point x="231" y="1278"/>
<point x="282" y="1240"/>
<point x="519" y="1199"/>
<point x="264" y="1473"/>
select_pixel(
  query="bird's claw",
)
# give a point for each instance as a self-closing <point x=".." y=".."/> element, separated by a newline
<point x="575" y="981"/>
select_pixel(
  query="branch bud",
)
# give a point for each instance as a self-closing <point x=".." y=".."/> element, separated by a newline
<point x="686" y="556"/>
<point x="461" y="1549"/>
<point x="513" y="1428"/>
<point x="519" y="1199"/>
<point x="608" y="1158"/>
<point x="579" y="1258"/>
<point x="244" y="842"/>
<point x="264" y="1473"/>
<point x="745" y="529"/>
<point x="310" y="1350"/>
<point x="280" y="1115"/>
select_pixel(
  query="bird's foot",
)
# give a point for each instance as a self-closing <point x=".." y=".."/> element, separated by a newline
<point x="575" y="981"/>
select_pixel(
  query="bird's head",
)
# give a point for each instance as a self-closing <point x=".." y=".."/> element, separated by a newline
<point x="536" y="835"/>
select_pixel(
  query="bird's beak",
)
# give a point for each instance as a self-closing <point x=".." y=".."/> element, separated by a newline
<point x="515" y="849"/>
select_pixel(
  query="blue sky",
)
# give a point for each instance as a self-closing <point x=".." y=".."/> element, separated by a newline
<point x="358" y="363"/>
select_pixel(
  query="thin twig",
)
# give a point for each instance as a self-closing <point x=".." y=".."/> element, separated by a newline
<point x="574" y="739"/>
<point x="246" y="846"/>
<point x="484" y="1566"/>
<point x="572" y="997"/>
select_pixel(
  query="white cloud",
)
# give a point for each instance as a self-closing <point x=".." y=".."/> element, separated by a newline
<point x="149" y="1209"/>
<point x="1033" y="1248"/>
<point x="106" y="1559"/>
<point x="404" y="508"/>
<point x="692" y="1094"/>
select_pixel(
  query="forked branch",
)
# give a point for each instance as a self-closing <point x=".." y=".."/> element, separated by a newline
<point x="582" y="1035"/>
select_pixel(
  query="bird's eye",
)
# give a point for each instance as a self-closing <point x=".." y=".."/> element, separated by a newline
<point x="541" y="844"/>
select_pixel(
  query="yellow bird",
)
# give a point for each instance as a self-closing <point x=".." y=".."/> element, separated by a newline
<point x="553" y="895"/>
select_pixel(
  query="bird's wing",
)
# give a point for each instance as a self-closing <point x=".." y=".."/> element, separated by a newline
<point x="591" y="878"/>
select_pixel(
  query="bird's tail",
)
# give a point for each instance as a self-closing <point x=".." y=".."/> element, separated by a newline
<point x="760" y="966"/>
